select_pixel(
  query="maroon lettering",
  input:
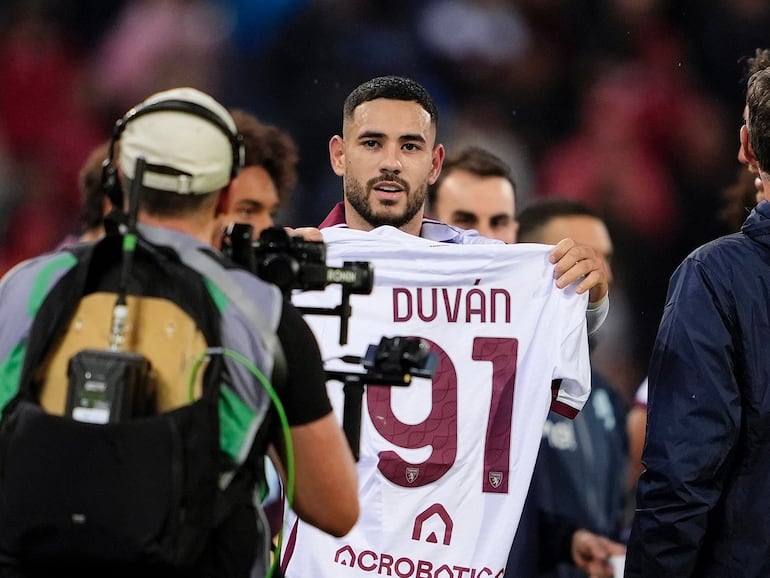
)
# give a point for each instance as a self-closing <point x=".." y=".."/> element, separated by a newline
<point x="503" y="353"/>
<point x="481" y="305"/>
<point x="386" y="563"/>
<point x="424" y="569"/>
<point x="345" y="556"/>
<point x="433" y="300"/>
<point x="404" y="562"/>
<point x="383" y="564"/>
<point x="437" y="431"/>
<point x="437" y="511"/>
<point x="368" y="567"/>
<point x="451" y="314"/>
<point x="480" y="309"/>
<point x="399" y="317"/>
<point x="506" y="304"/>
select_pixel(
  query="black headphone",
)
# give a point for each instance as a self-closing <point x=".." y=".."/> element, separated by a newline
<point x="110" y="182"/>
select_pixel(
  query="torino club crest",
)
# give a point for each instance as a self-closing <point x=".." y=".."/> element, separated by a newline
<point x="495" y="479"/>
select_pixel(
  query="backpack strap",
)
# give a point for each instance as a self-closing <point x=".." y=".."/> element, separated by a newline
<point x="49" y="320"/>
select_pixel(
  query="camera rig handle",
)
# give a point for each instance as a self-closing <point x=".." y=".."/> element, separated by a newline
<point x="343" y="311"/>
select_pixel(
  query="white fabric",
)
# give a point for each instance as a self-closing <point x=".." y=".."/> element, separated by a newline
<point x="641" y="393"/>
<point x="439" y="429"/>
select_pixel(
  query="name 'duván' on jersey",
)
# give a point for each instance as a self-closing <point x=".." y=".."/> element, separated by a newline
<point x="456" y="304"/>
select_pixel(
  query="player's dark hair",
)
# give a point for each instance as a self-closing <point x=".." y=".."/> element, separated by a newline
<point x="391" y="88"/>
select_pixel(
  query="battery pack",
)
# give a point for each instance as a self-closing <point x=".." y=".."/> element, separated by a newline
<point x="108" y="386"/>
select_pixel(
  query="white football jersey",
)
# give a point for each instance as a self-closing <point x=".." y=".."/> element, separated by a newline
<point x="445" y="464"/>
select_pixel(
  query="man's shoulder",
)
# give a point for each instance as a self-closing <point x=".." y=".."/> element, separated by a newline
<point x="726" y="248"/>
<point x="728" y="261"/>
<point x="26" y="272"/>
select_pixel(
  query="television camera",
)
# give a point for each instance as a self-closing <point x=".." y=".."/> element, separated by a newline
<point x="293" y="263"/>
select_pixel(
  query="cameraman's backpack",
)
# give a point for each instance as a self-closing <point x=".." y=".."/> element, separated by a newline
<point x="154" y="492"/>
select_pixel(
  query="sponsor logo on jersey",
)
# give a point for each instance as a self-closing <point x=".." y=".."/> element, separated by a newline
<point x="437" y="518"/>
<point x="383" y="564"/>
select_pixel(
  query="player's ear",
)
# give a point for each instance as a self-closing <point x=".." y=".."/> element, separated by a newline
<point x="337" y="155"/>
<point x="748" y="150"/>
<point x="437" y="159"/>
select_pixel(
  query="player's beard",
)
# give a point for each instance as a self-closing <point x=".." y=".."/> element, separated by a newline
<point x="358" y="197"/>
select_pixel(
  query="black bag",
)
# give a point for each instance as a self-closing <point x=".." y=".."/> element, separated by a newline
<point x="137" y="496"/>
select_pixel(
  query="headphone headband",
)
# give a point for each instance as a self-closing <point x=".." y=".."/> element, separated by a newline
<point x="109" y="172"/>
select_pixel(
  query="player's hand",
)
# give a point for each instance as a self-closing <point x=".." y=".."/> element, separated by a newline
<point x="307" y="233"/>
<point x="591" y="553"/>
<point x="580" y="263"/>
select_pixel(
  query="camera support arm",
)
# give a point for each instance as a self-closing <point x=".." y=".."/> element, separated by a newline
<point x="395" y="361"/>
<point x="353" y="388"/>
<point x="343" y="311"/>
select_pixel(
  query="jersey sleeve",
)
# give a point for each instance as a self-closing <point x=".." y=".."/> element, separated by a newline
<point x="596" y="313"/>
<point x="572" y="377"/>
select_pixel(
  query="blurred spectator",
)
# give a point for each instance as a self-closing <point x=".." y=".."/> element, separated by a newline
<point x="157" y="44"/>
<point x="484" y="34"/>
<point x="647" y="148"/>
<point x="48" y="127"/>
<point x="608" y="164"/>
<point x="481" y="121"/>
<point x="719" y="34"/>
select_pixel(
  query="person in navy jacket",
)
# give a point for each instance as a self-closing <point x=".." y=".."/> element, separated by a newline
<point x="703" y="500"/>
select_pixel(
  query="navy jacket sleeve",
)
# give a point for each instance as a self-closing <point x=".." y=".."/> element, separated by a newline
<point x="694" y="416"/>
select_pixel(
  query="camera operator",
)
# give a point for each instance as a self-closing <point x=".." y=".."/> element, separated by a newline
<point x="264" y="184"/>
<point x="190" y="163"/>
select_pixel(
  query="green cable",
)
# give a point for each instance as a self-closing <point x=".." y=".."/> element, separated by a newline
<point x="281" y="416"/>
